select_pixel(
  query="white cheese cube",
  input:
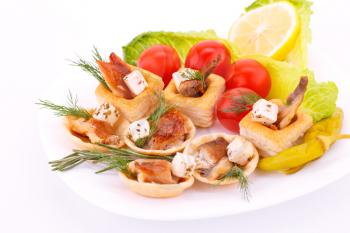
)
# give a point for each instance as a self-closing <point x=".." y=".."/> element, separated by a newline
<point x="181" y="76"/>
<point x="265" y="112"/>
<point x="240" y="150"/>
<point x="135" y="82"/>
<point x="139" y="129"/>
<point x="107" y="112"/>
<point x="183" y="165"/>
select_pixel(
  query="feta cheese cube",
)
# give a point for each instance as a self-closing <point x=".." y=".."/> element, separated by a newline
<point x="135" y="82"/>
<point x="183" y="165"/>
<point x="107" y="112"/>
<point x="139" y="129"/>
<point x="265" y="112"/>
<point x="180" y="76"/>
<point x="240" y="150"/>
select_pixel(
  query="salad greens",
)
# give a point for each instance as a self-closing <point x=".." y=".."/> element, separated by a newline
<point x="320" y="98"/>
<point x="298" y="56"/>
<point x="180" y="41"/>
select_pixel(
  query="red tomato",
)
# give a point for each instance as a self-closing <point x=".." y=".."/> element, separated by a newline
<point x="161" y="60"/>
<point x="206" y="51"/>
<point x="250" y="74"/>
<point x="233" y="105"/>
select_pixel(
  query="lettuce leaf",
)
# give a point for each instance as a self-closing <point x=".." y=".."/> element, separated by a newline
<point x="320" y="98"/>
<point x="299" y="54"/>
<point x="180" y="41"/>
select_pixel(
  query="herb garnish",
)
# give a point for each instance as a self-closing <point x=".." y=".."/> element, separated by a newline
<point x="204" y="73"/>
<point x="153" y="120"/>
<point x="113" y="158"/>
<point x="240" y="104"/>
<point x="73" y="109"/>
<point x="237" y="173"/>
<point x="91" y="67"/>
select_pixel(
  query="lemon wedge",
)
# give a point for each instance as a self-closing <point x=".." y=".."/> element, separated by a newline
<point x="269" y="30"/>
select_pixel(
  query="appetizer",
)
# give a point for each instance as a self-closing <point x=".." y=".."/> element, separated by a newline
<point x="272" y="100"/>
<point x="151" y="176"/>
<point x="195" y="93"/>
<point x="273" y="126"/>
<point x="165" y="132"/>
<point x="154" y="178"/>
<point x="89" y="127"/>
<point x="129" y="89"/>
<point x="222" y="159"/>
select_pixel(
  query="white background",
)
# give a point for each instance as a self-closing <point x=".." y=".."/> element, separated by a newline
<point x="36" y="39"/>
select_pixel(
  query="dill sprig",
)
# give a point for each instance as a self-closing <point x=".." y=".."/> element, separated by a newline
<point x="73" y="109"/>
<point x="113" y="158"/>
<point x="91" y="67"/>
<point x="154" y="118"/>
<point x="204" y="73"/>
<point x="237" y="173"/>
<point x="240" y="104"/>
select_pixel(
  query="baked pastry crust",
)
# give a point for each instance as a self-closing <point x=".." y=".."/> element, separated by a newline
<point x="192" y="149"/>
<point x="139" y="106"/>
<point x="201" y="109"/>
<point x="191" y="129"/>
<point x="84" y="143"/>
<point x="156" y="190"/>
<point x="270" y="141"/>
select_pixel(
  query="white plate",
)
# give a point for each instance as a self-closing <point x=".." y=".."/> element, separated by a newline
<point x="201" y="201"/>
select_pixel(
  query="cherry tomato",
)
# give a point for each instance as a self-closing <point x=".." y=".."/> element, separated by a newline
<point x="161" y="60"/>
<point x="204" y="52"/>
<point x="250" y="74"/>
<point x="233" y="105"/>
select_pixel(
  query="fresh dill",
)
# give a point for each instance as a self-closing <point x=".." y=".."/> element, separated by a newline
<point x="73" y="109"/>
<point x="204" y="73"/>
<point x="237" y="173"/>
<point x="153" y="119"/>
<point x="240" y="104"/>
<point x="113" y="158"/>
<point x="91" y="67"/>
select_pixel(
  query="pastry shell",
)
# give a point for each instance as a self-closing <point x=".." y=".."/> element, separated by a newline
<point x="84" y="143"/>
<point x="191" y="129"/>
<point x="156" y="190"/>
<point x="270" y="141"/>
<point x="201" y="109"/>
<point x="192" y="148"/>
<point x="139" y="106"/>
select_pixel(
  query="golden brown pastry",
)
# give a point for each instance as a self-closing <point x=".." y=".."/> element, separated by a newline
<point x="173" y="132"/>
<point x="132" y="103"/>
<point x="274" y="126"/>
<point x="216" y="154"/>
<point x="154" y="178"/>
<point x="200" y="109"/>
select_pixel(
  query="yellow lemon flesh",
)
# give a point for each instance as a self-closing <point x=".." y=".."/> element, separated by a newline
<point x="269" y="30"/>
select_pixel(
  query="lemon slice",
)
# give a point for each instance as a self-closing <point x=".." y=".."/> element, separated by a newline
<point x="269" y="30"/>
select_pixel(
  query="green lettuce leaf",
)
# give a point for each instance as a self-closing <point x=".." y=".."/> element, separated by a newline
<point x="299" y="54"/>
<point x="320" y="98"/>
<point x="180" y="41"/>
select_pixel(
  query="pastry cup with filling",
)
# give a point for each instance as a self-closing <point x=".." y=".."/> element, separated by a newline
<point x="85" y="133"/>
<point x="216" y="144"/>
<point x="138" y="106"/>
<point x="200" y="109"/>
<point x="153" y="178"/>
<point x="286" y="125"/>
<point x="173" y="132"/>
<point x="270" y="141"/>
